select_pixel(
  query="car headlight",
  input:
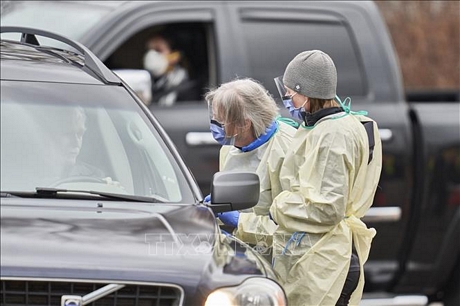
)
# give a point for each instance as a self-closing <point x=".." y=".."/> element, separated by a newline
<point x="252" y="292"/>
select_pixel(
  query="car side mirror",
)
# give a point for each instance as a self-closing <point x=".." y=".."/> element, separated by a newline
<point x="234" y="190"/>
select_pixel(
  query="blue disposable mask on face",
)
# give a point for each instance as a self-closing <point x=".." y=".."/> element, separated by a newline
<point x="218" y="133"/>
<point x="297" y="113"/>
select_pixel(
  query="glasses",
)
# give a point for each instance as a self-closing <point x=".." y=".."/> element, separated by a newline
<point x="214" y="120"/>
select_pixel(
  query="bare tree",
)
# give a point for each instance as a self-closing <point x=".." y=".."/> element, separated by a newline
<point x="426" y="37"/>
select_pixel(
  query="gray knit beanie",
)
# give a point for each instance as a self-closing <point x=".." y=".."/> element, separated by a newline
<point x="312" y="74"/>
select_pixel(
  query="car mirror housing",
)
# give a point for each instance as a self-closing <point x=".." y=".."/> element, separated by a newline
<point x="234" y="190"/>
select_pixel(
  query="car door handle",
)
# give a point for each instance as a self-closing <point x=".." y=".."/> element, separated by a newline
<point x="195" y="139"/>
<point x="382" y="214"/>
<point x="385" y="134"/>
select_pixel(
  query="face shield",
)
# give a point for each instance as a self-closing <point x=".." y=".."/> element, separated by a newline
<point x="210" y="111"/>
<point x="296" y="112"/>
<point x="218" y="129"/>
<point x="280" y="86"/>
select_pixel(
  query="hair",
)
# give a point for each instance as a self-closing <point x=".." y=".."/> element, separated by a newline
<point x="171" y="37"/>
<point x="243" y="100"/>
<point x="317" y="104"/>
<point x="167" y="35"/>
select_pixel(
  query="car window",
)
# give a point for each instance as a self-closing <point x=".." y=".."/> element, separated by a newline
<point x="286" y="39"/>
<point x="183" y="49"/>
<point x="84" y="137"/>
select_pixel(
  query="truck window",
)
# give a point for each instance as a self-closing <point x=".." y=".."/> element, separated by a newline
<point x="285" y="39"/>
<point x="185" y="47"/>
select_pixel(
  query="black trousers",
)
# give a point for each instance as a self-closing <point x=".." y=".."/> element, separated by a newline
<point x="352" y="280"/>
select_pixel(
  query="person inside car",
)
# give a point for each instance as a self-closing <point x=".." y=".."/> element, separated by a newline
<point x="164" y="61"/>
<point x="67" y="130"/>
<point x="68" y="139"/>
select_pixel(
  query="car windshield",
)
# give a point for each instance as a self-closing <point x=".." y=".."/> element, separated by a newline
<point x="84" y="137"/>
<point x="71" y="19"/>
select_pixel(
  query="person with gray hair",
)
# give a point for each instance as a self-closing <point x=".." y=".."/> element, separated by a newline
<point x="244" y="118"/>
<point x="66" y="128"/>
<point x="329" y="177"/>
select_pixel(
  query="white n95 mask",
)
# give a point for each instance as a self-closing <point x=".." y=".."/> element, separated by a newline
<point x="155" y="62"/>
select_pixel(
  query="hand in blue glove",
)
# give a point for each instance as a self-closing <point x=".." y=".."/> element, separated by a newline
<point x="207" y="199"/>
<point x="229" y="218"/>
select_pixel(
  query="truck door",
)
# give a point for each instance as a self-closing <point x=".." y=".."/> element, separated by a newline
<point x="271" y="34"/>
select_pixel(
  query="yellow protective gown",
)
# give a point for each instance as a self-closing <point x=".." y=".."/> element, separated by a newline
<point x="328" y="186"/>
<point x="254" y="225"/>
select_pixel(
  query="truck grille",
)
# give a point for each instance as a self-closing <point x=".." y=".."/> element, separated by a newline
<point x="38" y="293"/>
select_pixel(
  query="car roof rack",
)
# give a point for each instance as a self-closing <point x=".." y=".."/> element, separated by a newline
<point x="90" y="60"/>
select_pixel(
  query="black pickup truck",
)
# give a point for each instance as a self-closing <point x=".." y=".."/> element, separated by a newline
<point x="417" y="206"/>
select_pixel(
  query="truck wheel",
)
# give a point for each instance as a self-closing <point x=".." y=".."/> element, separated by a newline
<point x="452" y="290"/>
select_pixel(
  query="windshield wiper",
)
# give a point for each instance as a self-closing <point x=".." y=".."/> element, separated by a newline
<point x="50" y="192"/>
<point x="53" y="192"/>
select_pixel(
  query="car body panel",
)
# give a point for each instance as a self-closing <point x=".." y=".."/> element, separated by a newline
<point x="106" y="240"/>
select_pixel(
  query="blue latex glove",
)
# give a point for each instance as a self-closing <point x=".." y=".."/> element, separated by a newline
<point x="229" y="218"/>
<point x="207" y="199"/>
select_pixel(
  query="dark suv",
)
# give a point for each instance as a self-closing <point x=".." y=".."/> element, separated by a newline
<point x="97" y="207"/>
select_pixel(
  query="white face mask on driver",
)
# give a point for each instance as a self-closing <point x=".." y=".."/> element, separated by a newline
<point x="155" y="62"/>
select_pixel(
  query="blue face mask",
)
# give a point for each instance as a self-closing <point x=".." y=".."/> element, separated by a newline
<point x="296" y="113"/>
<point x="219" y="134"/>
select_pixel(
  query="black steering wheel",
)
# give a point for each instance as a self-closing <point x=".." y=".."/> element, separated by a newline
<point x="77" y="178"/>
